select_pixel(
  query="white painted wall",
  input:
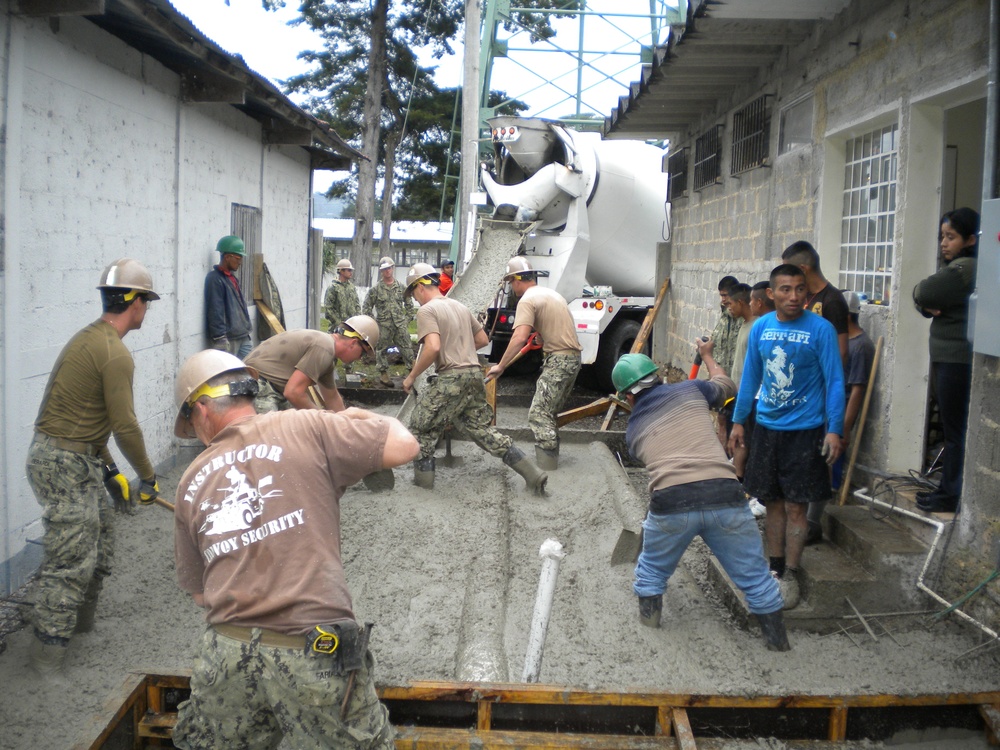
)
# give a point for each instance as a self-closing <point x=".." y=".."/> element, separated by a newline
<point x="102" y="160"/>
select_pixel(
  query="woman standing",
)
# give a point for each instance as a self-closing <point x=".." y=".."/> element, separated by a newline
<point x="944" y="297"/>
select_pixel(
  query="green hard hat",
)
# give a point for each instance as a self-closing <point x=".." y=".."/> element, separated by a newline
<point x="230" y="244"/>
<point x="630" y="369"/>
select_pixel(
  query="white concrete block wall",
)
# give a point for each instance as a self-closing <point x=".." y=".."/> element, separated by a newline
<point x="101" y="161"/>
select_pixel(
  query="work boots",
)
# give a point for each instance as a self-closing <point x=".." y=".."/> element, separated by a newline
<point x="385" y="380"/>
<point x="519" y="462"/>
<point x="772" y="626"/>
<point x="86" y="613"/>
<point x="547" y="460"/>
<point x="47" y="658"/>
<point x="650" y="609"/>
<point x="423" y="473"/>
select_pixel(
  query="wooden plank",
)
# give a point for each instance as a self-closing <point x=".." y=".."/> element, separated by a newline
<point x="581" y="412"/>
<point x="845" y="482"/>
<point x="432" y="738"/>
<point x="682" y="729"/>
<point x="664" y="723"/>
<point x="991" y="715"/>
<point x="647" y="324"/>
<point x="484" y="716"/>
<point x="837" y="730"/>
<point x="157" y="725"/>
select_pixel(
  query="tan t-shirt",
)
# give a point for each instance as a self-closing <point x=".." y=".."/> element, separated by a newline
<point x="545" y="310"/>
<point x="313" y="353"/>
<point x="456" y="326"/>
<point x="257" y="517"/>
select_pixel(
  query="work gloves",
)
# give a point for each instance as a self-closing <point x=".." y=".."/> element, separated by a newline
<point x="117" y="486"/>
<point x="221" y="344"/>
<point x="149" y="490"/>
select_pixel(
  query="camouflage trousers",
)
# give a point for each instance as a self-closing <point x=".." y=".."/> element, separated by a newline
<point x="78" y="539"/>
<point x="268" y="399"/>
<point x="390" y="335"/>
<point x="553" y="386"/>
<point x="245" y="696"/>
<point x="458" y="398"/>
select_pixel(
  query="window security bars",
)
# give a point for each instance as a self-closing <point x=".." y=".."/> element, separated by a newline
<point x="677" y="169"/>
<point x="708" y="158"/>
<point x="751" y="131"/>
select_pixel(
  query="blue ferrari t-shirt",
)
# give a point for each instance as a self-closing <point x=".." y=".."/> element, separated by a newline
<point x="796" y="367"/>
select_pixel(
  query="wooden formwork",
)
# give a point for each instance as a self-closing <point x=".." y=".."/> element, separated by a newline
<point x="487" y="716"/>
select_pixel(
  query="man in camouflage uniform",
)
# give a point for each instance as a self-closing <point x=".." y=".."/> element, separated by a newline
<point x="385" y="301"/>
<point x="341" y="300"/>
<point x="276" y="661"/>
<point x="88" y="397"/>
<point x="544" y="311"/>
<point x="449" y="336"/>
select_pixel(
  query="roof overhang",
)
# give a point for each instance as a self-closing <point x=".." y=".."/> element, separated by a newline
<point x="208" y="73"/>
<point x="723" y="45"/>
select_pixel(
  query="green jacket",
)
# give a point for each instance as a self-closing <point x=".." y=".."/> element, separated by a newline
<point x="341" y="302"/>
<point x="388" y="305"/>
<point x="948" y="290"/>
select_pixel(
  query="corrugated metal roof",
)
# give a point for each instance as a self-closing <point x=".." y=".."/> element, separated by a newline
<point x="725" y="43"/>
<point x="208" y="72"/>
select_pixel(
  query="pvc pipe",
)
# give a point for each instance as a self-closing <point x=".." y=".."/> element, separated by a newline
<point x="940" y="526"/>
<point x="551" y="553"/>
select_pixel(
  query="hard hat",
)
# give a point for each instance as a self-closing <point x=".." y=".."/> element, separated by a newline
<point x="853" y="300"/>
<point x="447" y="262"/>
<point x="126" y="273"/>
<point x="198" y="370"/>
<point x="420" y="271"/>
<point x="344" y="265"/>
<point x="386" y="262"/>
<point x="518" y="267"/>
<point x="365" y="328"/>
<point x="231" y="245"/>
<point x="630" y="370"/>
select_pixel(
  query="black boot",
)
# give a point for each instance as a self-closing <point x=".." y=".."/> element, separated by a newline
<point x="533" y="476"/>
<point x="423" y="473"/>
<point x="772" y="626"/>
<point x="650" y="609"/>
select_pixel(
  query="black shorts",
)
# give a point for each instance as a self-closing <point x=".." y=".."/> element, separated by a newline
<point x="787" y="465"/>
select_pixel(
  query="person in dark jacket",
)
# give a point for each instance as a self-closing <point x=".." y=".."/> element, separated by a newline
<point x="944" y="297"/>
<point x="227" y="320"/>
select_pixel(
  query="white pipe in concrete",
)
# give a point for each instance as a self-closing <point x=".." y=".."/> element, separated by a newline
<point x="551" y="553"/>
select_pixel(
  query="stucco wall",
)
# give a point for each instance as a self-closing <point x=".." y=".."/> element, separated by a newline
<point x="873" y="64"/>
<point x="102" y="160"/>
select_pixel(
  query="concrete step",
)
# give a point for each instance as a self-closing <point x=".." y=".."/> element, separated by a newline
<point x="904" y="499"/>
<point x="864" y="558"/>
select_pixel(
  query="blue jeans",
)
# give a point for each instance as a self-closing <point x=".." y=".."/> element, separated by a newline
<point x="732" y="535"/>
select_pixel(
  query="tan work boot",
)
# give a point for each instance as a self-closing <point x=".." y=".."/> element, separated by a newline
<point x="547" y="460"/>
<point x="46" y="659"/>
<point x="384" y="379"/>
<point x="533" y="476"/>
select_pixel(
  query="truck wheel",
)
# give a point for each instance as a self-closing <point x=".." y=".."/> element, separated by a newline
<point x="614" y="344"/>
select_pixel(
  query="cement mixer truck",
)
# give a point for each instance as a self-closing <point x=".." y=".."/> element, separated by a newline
<point x="598" y="220"/>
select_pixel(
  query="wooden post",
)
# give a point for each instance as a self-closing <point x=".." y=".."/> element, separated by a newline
<point x="845" y="480"/>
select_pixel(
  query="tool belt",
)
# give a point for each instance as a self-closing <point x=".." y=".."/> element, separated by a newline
<point x="74" y="446"/>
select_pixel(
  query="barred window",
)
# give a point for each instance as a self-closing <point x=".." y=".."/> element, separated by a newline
<point x="247" y="222"/>
<point x="677" y="169"/>
<point x="751" y="132"/>
<point x="708" y="158"/>
<point x="869" y="213"/>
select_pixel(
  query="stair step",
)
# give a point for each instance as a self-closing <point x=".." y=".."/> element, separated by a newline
<point x="903" y="498"/>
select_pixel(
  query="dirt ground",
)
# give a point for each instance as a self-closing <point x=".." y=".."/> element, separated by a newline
<point x="450" y="575"/>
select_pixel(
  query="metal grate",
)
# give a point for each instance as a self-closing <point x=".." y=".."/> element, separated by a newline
<point x="751" y="136"/>
<point x="246" y="224"/>
<point x="708" y="158"/>
<point x="869" y="213"/>
<point x="677" y="169"/>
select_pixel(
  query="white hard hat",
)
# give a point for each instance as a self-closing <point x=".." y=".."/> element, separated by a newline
<point x="386" y="262"/>
<point x="196" y="371"/>
<point x="126" y="273"/>
<point x="365" y="328"/>
<point x="519" y="266"/>
<point x="420" y="271"/>
<point x="344" y="265"/>
<point x="853" y="300"/>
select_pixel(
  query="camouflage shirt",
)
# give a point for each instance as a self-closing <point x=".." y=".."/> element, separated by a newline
<point x="341" y="302"/>
<point x="389" y="305"/>
<point x="726" y="332"/>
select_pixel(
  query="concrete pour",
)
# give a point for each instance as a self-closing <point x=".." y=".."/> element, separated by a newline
<point x="450" y="578"/>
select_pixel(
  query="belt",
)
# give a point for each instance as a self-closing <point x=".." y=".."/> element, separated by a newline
<point x="260" y="635"/>
<point x="75" y="446"/>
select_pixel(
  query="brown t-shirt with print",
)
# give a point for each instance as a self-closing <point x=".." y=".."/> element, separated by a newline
<point x="313" y="353"/>
<point x="257" y="518"/>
